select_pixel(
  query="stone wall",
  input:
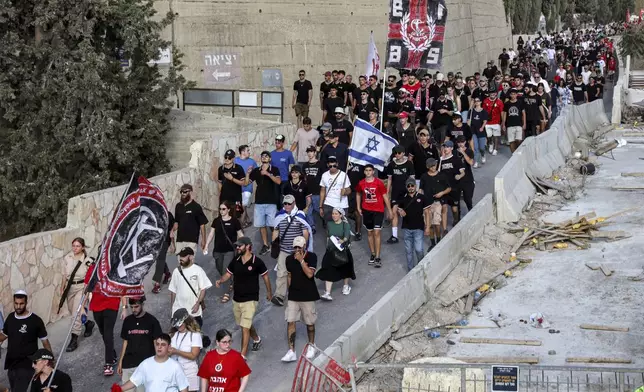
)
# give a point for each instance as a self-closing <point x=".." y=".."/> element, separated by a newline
<point x="316" y="36"/>
<point x="35" y="262"/>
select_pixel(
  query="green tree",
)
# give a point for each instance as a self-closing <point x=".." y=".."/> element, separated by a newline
<point x="72" y="119"/>
<point x="603" y="14"/>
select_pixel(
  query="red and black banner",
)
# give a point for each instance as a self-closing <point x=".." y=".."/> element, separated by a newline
<point x="416" y="33"/>
<point x="133" y="240"/>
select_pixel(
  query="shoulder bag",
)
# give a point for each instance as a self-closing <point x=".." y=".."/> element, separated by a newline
<point x="275" y="245"/>
<point x="340" y="257"/>
<point x="202" y="303"/>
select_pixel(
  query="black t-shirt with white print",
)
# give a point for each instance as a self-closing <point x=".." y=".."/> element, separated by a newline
<point x="229" y="190"/>
<point x="451" y="166"/>
<point x="514" y="114"/>
<point x="399" y="174"/>
<point x="23" y="333"/>
<point x="302" y="288"/>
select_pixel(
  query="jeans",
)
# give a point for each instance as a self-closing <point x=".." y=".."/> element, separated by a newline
<point x="105" y="321"/>
<point x="479" y="147"/>
<point x="314" y="208"/>
<point x="464" y="115"/>
<point x="19" y="378"/>
<point x="413" y="243"/>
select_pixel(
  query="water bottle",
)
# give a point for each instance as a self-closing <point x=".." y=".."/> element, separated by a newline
<point x="463" y="322"/>
<point x="434" y="334"/>
<point x="477" y="295"/>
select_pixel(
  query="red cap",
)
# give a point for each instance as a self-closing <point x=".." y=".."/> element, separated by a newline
<point x="403" y="115"/>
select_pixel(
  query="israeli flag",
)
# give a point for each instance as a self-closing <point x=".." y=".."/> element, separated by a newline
<point x="369" y="145"/>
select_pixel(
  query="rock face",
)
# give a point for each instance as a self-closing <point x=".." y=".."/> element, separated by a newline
<point x="245" y="38"/>
<point x="441" y="379"/>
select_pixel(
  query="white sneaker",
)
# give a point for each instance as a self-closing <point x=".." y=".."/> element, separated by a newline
<point x="482" y="159"/>
<point x="491" y="148"/>
<point x="346" y="290"/>
<point x="275" y="269"/>
<point x="494" y="152"/>
<point x="475" y="165"/>
<point x="326" y="297"/>
<point x="310" y="352"/>
<point x="290" y="356"/>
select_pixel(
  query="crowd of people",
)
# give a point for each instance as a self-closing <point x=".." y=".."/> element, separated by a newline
<point x="446" y="126"/>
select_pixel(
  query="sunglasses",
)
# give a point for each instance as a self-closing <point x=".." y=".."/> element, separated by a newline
<point x="184" y="192"/>
<point x="287" y="204"/>
<point x="239" y="246"/>
<point x="330" y="166"/>
<point x="297" y="247"/>
<point x="411" y="185"/>
<point x="301" y="74"/>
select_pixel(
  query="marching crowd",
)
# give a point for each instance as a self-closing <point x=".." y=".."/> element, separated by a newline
<point x="445" y="126"/>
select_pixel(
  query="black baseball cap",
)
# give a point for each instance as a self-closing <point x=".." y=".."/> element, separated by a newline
<point x="229" y="154"/>
<point x="460" y="139"/>
<point x="398" y="149"/>
<point x="311" y="148"/>
<point x="296" y="168"/>
<point x="267" y="153"/>
<point x="42" y="353"/>
<point x="332" y="158"/>
<point x="243" y="241"/>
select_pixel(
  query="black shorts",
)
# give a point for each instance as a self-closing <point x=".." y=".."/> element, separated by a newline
<point x="352" y="202"/>
<point x="372" y="219"/>
<point x="453" y="199"/>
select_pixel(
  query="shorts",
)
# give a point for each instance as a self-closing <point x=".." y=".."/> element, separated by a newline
<point x="352" y="203"/>
<point x="515" y="133"/>
<point x="453" y="199"/>
<point x="493" y="130"/>
<point x="183" y="244"/>
<point x="301" y="109"/>
<point x="244" y="313"/>
<point x="301" y="311"/>
<point x="246" y="198"/>
<point x="372" y="220"/>
<point x="264" y="215"/>
<point x="436" y="213"/>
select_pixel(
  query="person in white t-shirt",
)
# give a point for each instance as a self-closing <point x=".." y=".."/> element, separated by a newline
<point x="188" y="285"/>
<point x="186" y="345"/>
<point x="305" y="137"/>
<point x="585" y="75"/>
<point x="335" y="186"/>
<point x="157" y="373"/>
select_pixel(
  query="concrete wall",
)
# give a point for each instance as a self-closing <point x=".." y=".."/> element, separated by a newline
<point x="221" y="131"/>
<point x="34" y="262"/>
<point x="540" y="156"/>
<point x="619" y="92"/>
<point x="317" y="37"/>
<point x="374" y="328"/>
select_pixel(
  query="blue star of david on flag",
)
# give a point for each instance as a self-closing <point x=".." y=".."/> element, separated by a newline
<point x="372" y="144"/>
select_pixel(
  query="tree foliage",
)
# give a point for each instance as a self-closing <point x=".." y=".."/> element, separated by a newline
<point x="632" y="42"/>
<point x="72" y="119"/>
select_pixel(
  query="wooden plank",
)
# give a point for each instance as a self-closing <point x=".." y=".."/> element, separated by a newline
<point x="512" y="342"/>
<point x="607" y="271"/>
<point x="518" y="244"/>
<point x="598" y="327"/>
<point x="472" y="327"/>
<point x="536" y="183"/>
<point x="479" y="283"/>
<point x="593" y="266"/>
<point x="609" y="234"/>
<point x="627" y="188"/>
<point x="633" y="174"/>
<point x="598" y="360"/>
<point x="499" y="360"/>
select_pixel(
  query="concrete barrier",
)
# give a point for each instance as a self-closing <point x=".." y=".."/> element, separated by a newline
<point x="541" y="155"/>
<point x="374" y="328"/>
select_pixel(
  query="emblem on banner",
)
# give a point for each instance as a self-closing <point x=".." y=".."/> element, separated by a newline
<point x="417" y="35"/>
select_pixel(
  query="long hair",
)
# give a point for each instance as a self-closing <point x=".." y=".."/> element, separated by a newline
<point x="232" y="210"/>
<point x="81" y="241"/>
<point x="191" y="326"/>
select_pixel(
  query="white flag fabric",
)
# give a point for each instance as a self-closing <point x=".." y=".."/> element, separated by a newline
<point x="373" y="59"/>
<point x="369" y="145"/>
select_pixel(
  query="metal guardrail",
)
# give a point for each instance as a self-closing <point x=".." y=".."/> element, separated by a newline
<point x="478" y="378"/>
<point x="270" y="101"/>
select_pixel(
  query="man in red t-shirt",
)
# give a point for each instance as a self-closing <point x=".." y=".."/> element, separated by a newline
<point x="494" y="107"/>
<point x="105" y="310"/>
<point x="371" y="199"/>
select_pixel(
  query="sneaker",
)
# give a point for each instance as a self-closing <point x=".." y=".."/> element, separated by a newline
<point x="257" y="345"/>
<point x="494" y="152"/>
<point x="156" y="289"/>
<point x="277" y="301"/>
<point x="326" y="297"/>
<point x="490" y="149"/>
<point x="392" y="240"/>
<point x="475" y="165"/>
<point x="265" y="249"/>
<point x="358" y="236"/>
<point x="310" y="352"/>
<point x="377" y="263"/>
<point x="290" y="356"/>
<point x="275" y="268"/>
<point x="372" y="259"/>
<point x="483" y="159"/>
<point x="108" y="370"/>
<point x="346" y="290"/>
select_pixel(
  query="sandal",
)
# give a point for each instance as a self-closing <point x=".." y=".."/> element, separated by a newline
<point x="247" y="224"/>
<point x="225" y="298"/>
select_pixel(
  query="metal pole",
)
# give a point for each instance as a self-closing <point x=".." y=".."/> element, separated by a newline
<point x="382" y="107"/>
<point x="354" y="386"/>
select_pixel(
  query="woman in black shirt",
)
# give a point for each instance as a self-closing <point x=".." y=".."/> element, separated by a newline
<point x="297" y="187"/>
<point x="225" y="229"/>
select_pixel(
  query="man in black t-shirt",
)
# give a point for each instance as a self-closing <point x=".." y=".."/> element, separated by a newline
<point x="514" y="68"/>
<point x="435" y="187"/>
<point x="190" y="222"/>
<point x="267" y="196"/>
<point x="138" y="333"/>
<point x="504" y="59"/>
<point x="453" y="168"/>
<point x="579" y="91"/>
<point x="246" y="268"/>
<point x="398" y="171"/>
<point x="341" y="127"/>
<point x="440" y="116"/>
<point x="466" y="154"/>
<point x="312" y="172"/>
<point x="302" y="97"/>
<point x="23" y="329"/>
<point x="325" y="88"/>
<point x="302" y="294"/>
<point x="513" y="120"/>
<point x="230" y="177"/>
<point x="414" y="210"/>
<point x="43" y="365"/>
<point x="333" y="102"/>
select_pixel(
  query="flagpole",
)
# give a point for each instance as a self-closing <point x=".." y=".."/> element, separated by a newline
<point x="382" y="99"/>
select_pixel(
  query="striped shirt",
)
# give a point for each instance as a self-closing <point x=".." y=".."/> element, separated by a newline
<point x="295" y="230"/>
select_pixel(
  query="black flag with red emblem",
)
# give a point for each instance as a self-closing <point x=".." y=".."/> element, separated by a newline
<point x="133" y="240"/>
<point x="416" y="32"/>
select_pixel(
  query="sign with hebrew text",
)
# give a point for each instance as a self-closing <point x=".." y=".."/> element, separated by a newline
<point x="221" y="66"/>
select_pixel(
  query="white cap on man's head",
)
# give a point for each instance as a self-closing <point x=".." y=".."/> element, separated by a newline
<point x="20" y="292"/>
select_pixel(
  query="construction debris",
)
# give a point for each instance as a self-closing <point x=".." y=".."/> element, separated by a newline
<point x="500" y="360"/>
<point x="598" y="360"/>
<point x="514" y="342"/>
<point x="603" y="327"/>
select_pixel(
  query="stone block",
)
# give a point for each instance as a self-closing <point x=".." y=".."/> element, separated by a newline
<point x="41" y="302"/>
<point x="17" y="280"/>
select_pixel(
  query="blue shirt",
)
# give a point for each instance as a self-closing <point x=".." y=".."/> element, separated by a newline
<point x="246" y="163"/>
<point x="281" y="160"/>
